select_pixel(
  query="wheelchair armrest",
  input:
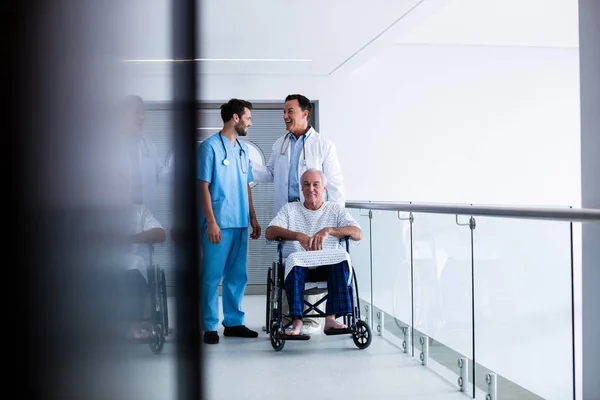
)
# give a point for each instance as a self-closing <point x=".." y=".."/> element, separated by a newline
<point x="346" y="239"/>
<point x="150" y="252"/>
<point x="279" y="242"/>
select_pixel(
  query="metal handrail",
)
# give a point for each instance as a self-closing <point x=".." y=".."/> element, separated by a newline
<point x="554" y="214"/>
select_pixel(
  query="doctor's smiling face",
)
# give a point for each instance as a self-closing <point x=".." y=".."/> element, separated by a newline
<point x="295" y="114"/>
<point x="313" y="187"/>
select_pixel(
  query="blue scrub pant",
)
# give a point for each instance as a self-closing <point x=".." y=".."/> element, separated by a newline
<point x="225" y="260"/>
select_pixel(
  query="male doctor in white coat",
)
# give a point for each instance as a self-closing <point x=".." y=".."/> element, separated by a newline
<point x="300" y="149"/>
<point x="145" y="169"/>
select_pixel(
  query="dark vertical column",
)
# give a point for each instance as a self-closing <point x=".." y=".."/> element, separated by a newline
<point x="589" y="58"/>
<point x="62" y="303"/>
<point x="184" y="19"/>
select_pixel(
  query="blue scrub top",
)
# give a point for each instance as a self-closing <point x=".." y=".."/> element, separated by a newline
<point x="228" y="184"/>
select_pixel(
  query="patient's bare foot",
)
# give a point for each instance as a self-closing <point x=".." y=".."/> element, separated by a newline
<point x="331" y="322"/>
<point x="296" y="327"/>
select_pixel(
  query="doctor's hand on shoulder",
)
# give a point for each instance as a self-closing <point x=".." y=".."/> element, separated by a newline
<point x="213" y="232"/>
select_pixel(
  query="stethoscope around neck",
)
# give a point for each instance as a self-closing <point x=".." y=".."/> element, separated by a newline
<point x="288" y="137"/>
<point x="226" y="160"/>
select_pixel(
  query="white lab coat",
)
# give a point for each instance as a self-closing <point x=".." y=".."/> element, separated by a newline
<point x="320" y="154"/>
<point x="151" y="170"/>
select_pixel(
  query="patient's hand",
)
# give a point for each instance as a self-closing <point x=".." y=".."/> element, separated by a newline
<point x="304" y="241"/>
<point x="316" y="242"/>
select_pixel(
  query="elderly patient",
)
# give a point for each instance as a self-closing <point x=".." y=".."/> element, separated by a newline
<point x="144" y="230"/>
<point x="312" y="230"/>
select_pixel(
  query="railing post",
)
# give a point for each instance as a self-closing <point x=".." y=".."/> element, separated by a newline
<point x="492" y="389"/>
<point x="424" y="356"/>
<point x="368" y="313"/>
<point x="406" y="343"/>
<point x="379" y="315"/>
<point x="463" y="377"/>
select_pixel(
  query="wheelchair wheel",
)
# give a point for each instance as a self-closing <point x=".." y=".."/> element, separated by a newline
<point x="362" y="335"/>
<point x="276" y="341"/>
<point x="268" y="307"/>
<point x="163" y="298"/>
<point x="158" y="339"/>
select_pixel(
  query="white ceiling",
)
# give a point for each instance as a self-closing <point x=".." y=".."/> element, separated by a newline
<point x="537" y="23"/>
<point x="326" y="36"/>
<point x="325" y="31"/>
<point x="321" y="33"/>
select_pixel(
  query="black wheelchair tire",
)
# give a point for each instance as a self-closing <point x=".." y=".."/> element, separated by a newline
<point x="158" y="343"/>
<point x="268" y="307"/>
<point x="362" y="335"/>
<point x="165" y="307"/>
<point x="276" y="341"/>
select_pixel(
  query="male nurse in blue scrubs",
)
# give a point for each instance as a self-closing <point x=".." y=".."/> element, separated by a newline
<point x="224" y="174"/>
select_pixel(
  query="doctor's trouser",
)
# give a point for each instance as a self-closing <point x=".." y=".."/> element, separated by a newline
<point x="226" y="260"/>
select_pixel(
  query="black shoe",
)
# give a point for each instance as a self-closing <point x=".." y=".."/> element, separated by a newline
<point x="211" y="337"/>
<point x="239" y="331"/>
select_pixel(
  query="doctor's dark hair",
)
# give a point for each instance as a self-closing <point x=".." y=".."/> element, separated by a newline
<point x="302" y="100"/>
<point x="234" y="106"/>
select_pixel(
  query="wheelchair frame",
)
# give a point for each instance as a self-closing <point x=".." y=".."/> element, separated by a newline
<point x="358" y="329"/>
<point x="159" y="314"/>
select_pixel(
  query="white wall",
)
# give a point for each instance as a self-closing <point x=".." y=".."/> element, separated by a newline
<point x="461" y="124"/>
<point x="485" y="125"/>
<point x="153" y="83"/>
<point x="261" y="87"/>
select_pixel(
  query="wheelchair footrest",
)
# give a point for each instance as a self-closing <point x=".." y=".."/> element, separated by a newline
<point x="333" y="331"/>
<point x="284" y="336"/>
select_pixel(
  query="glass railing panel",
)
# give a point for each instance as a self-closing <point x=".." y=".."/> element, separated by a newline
<point x="391" y="244"/>
<point x="523" y="314"/>
<point x="442" y="287"/>
<point x="360" y="253"/>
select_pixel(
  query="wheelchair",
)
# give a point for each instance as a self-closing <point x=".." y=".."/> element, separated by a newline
<point x="357" y="328"/>
<point x="159" y="312"/>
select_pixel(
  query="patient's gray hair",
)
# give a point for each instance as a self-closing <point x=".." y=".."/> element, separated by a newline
<point x="323" y="179"/>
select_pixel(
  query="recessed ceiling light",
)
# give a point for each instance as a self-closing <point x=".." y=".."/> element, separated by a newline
<point x="157" y="60"/>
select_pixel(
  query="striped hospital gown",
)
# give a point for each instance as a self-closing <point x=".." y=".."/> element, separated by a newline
<point x="295" y="217"/>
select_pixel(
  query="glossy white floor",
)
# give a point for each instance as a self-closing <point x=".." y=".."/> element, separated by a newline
<point x="321" y="368"/>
